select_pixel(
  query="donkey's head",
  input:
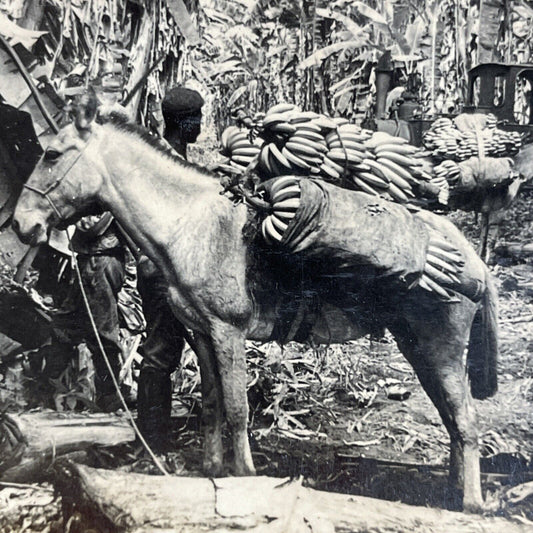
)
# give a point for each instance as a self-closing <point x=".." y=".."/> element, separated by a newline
<point x="64" y="183"/>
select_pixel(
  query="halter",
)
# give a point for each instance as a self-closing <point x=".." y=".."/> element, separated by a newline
<point x="55" y="184"/>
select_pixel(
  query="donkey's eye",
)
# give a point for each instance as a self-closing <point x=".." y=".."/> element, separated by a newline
<point x="51" y="154"/>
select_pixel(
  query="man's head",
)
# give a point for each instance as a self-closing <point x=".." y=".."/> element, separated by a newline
<point x="182" y="112"/>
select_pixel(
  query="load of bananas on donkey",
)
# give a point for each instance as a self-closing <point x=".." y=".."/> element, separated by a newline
<point x="294" y="145"/>
<point x="287" y="141"/>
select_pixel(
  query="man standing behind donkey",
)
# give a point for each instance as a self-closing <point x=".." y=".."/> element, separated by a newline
<point x="182" y="113"/>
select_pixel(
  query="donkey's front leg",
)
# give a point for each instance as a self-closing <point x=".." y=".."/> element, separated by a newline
<point x="212" y="408"/>
<point x="228" y="343"/>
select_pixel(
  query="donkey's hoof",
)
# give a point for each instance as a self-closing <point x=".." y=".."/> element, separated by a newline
<point x="473" y="507"/>
<point x="244" y="470"/>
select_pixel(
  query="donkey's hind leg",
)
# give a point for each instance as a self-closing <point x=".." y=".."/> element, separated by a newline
<point x="212" y="408"/>
<point x="228" y="343"/>
<point x="434" y="344"/>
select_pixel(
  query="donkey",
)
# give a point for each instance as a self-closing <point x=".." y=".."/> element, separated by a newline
<point x="226" y="286"/>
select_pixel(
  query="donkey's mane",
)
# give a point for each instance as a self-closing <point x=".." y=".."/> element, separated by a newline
<point x="123" y="124"/>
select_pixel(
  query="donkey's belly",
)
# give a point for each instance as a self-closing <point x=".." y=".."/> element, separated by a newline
<point x="333" y="325"/>
<point x="324" y="325"/>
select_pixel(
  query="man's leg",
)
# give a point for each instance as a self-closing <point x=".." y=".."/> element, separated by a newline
<point x="103" y="276"/>
<point x="161" y="356"/>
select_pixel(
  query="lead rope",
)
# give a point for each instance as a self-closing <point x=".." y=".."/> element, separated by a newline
<point x="146" y="446"/>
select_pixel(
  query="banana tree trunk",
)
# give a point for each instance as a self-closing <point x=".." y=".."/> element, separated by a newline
<point x="489" y="28"/>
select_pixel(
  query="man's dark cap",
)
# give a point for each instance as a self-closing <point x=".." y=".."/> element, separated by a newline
<point x="181" y="102"/>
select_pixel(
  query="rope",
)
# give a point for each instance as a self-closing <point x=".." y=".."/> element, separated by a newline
<point x="146" y="446"/>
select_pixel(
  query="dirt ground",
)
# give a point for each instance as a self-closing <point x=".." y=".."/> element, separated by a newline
<point x="353" y="418"/>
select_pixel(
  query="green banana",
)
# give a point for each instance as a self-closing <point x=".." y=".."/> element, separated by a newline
<point x="282" y="108"/>
<point x="399" y="159"/>
<point x="340" y="156"/>
<point x="397" y="193"/>
<point x="292" y="191"/>
<point x="270" y="230"/>
<point x="279" y="224"/>
<point x="308" y="126"/>
<point x="264" y="159"/>
<point x="344" y="143"/>
<point x="402" y="149"/>
<point x="282" y="182"/>
<point x="309" y="134"/>
<point x="365" y="187"/>
<point x="319" y="146"/>
<point x="302" y="148"/>
<point x="291" y="204"/>
<point x="373" y="180"/>
<point x="340" y="169"/>
<point x="330" y="172"/>
<point x="426" y="281"/>
<point x="303" y="116"/>
<point x="284" y="128"/>
<point x="226" y="134"/>
<point x="294" y="159"/>
<point x="285" y="216"/>
<point x="454" y="256"/>
<point x="437" y="262"/>
<point x="437" y="275"/>
<point x="249" y="150"/>
<point x="279" y="157"/>
<point x="400" y="171"/>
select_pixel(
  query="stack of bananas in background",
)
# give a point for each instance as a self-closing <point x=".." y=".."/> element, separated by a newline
<point x="471" y="154"/>
<point x="445" y="140"/>
<point x="288" y="141"/>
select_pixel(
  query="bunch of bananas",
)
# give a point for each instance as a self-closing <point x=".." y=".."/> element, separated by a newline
<point x="443" y="264"/>
<point x="448" y="170"/>
<point x="284" y="198"/>
<point x="294" y="141"/>
<point x="397" y="163"/>
<point x="305" y="143"/>
<point x="236" y="144"/>
<point x="445" y="141"/>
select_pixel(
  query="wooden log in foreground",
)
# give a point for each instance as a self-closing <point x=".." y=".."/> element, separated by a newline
<point x="108" y="500"/>
<point x="30" y="442"/>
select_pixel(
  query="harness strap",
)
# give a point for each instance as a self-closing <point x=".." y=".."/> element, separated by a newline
<point x="45" y="194"/>
<point x="55" y="184"/>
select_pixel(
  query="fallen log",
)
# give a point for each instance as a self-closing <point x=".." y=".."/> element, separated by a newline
<point x="134" y="503"/>
<point x="31" y="442"/>
<point x="514" y="249"/>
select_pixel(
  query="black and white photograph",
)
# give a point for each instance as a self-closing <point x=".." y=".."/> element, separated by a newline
<point x="266" y="266"/>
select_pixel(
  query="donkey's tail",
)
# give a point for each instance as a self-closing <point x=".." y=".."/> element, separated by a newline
<point x="482" y="358"/>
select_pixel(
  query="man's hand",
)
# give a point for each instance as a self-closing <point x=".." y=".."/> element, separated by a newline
<point x="107" y="111"/>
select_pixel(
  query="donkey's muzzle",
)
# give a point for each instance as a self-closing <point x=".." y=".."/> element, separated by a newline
<point x="29" y="232"/>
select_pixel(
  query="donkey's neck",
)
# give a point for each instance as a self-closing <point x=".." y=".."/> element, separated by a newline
<point x="156" y="198"/>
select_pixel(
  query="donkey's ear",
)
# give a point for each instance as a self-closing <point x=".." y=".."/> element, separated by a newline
<point x="85" y="111"/>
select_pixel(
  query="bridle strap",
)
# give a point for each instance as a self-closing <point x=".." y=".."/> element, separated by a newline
<point x="55" y="184"/>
